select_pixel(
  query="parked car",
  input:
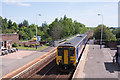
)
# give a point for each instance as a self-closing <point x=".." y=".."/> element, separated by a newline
<point x="2" y="53"/>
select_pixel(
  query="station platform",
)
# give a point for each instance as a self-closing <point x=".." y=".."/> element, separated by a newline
<point x="13" y="61"/>
<point x="97" y="63"/>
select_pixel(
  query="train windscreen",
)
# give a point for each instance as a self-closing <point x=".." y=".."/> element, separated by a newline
<point x="72" y="50"/>
<point x="60" y="51"/>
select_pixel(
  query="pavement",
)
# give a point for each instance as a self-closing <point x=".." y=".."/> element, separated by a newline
<point x="13" y="61"/>
<point x="97" y="64"/>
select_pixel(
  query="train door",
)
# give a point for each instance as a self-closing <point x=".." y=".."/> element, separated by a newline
<point x="66" y="56"/>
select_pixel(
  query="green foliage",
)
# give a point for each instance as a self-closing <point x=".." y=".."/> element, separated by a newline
<point x="9" y="24"/>
<point x="25" y="23"/>
<point x="37" y="44"/>
<point x="20" y="44"/>
<point x="112" y="40"/>
<point x="48" y="44"/>
<point x="4" y="25"/>
<point x="22" y="35"/>
<point x="32" y="45"/>
<point x="14" y="44"/>
<point x="9" y="31"/>
<point x="15" y="27"/>
<point x="58" y="29"/>
<point x="116" y="32"/>
<point x="49" y="39"/>
<point x="118" y="35"/>
<point x="107" y="34"/>
<point x="65" y="27"/>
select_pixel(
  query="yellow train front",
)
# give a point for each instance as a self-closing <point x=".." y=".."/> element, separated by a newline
<point x="69" y="52"/>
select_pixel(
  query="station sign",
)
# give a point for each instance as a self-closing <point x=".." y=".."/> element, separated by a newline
<point x="39" y="38"/>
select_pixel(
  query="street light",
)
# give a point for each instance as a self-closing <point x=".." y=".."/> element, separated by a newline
<point x="36" y="29"/>
<point x="101" y="30"/>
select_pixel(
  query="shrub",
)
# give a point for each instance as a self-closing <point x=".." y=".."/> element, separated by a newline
<point x="49" y="39"/>
<point x="48" y="44"/>
<point x="37" y="44"/>
<point x="32" y="45"/>
<point x="112" y="40"/>
<point x="14" y="44"/>
<point x="20" y="44"/>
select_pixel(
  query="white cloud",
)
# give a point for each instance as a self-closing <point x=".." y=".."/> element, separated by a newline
<point x="23" y="4"/>
<point x="15" y="2"/>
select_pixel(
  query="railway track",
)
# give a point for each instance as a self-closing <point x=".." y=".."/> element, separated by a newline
<point x="51" y="72"/>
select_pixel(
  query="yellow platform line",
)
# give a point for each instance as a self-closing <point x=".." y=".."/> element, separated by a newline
<point x="79" y="70"/>
<point x="35" y="60"/>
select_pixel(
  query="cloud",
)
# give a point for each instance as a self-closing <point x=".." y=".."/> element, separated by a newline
<point x="23" y="4"/>
<point x="15" y="2"/>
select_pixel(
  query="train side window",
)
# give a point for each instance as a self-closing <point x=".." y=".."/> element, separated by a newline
<point x="72" y="51"/>
<point x="60" y="52"/>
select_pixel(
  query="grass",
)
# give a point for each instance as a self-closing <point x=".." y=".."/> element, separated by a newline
<point x="32" y="48"/>
<point x="25" y="40"/>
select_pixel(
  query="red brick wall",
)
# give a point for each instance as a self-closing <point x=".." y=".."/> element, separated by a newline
<point x="30" y="42"/>
<point x="13" y="37"/>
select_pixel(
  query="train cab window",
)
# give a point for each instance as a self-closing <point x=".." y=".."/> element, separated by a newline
<point x="60" y="52"/>
<point x="72" y="51"/>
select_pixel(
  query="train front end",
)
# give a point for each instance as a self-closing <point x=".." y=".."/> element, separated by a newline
<point x="66" y="57"/>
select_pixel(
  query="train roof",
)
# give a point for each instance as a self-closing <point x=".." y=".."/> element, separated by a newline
<point x="75" y="41"/>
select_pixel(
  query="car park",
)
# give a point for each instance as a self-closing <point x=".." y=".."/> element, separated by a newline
<point x="6" y="51"/>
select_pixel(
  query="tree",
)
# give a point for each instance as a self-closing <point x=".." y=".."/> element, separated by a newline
<point x="116" y="32"/>
<point x="9" y="31"/>
<point x="5" y="20"/>
<point x="25" y="23"/>
<point x="107" y="34"/>
<point x="64" y="27"/>
<point x="44" y="27"/>
<point x="22" y="35"/>
<point x="4" y="25"/>
<point x="33" y="28"/>
<point x="9" y="24"/>
<point x="15" y="26"/>
<point x="56" y="30"/>
<point x="20" y="25"/>
<point x="78" y="28"/>
<point x="30" y="34"/>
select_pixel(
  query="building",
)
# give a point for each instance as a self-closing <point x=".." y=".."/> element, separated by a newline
<point x="6" y="40"/>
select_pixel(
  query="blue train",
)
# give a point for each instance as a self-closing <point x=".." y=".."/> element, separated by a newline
<point x="69" y="52"/>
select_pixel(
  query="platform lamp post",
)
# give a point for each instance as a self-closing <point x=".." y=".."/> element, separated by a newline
<point x="101" y="31"/>
<point x="36" y="29"/>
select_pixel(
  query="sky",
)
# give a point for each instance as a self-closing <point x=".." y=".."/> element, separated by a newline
<point x="83" y="12"/>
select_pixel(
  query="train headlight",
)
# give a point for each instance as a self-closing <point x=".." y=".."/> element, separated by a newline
<point x="59" y="60"/>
